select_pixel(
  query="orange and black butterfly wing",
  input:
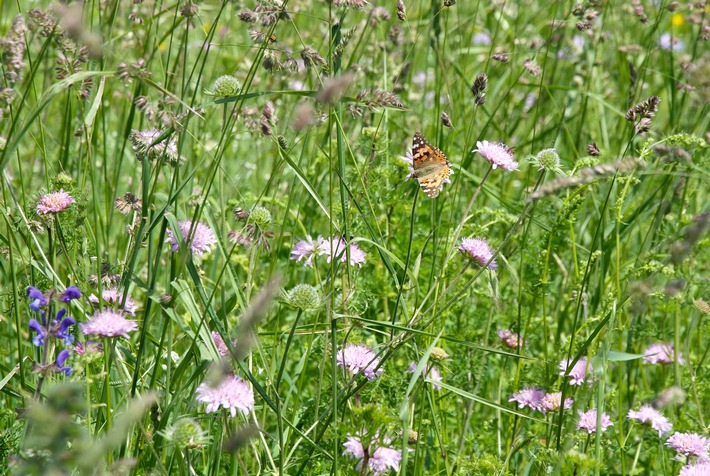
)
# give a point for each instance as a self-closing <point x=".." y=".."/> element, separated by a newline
<point x="431" y="167"/>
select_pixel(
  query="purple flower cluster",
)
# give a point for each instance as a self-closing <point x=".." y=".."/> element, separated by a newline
<point x="333" y="248"/>
<point x="359" y="358"/>
<point x="54" y="202"/>
<point x="538" y="400"/>
<point x="510" y="339"/>
<point x="200" y="237"/>
<point x="478" y="250"/>
<point x="232" y="393"/>
<point x="578" y="373"/>
<point x="648" y="414"/>
<point x="588" y="421"/>
<point x="109" y="323"/>
<point x="432" y="373"/>
<point x="380" y="458"/>
<point x="661" y="353"/>
<point x="690" y="445"/>
<point x="113" y="297"/>
<point x="497" y="154"/>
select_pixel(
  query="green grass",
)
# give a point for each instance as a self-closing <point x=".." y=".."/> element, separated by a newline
<point x="598" y="256"/>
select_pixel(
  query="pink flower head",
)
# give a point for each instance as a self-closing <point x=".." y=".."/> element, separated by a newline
<point x="648" y="414"/>
<point x="88" y="347"/>
<point x="689" y="444"/>
<point x="510" y="339"/>
<point x="112" y="296"/>
<point x="478" y="250"/>
<point x="409" y="159"/>
<point x="701" y="468"/>
<point x="578" y="372"/>
<point x="552" y="402"/>
<point x="432" y="373"/>
<point x="661" y="353"/>
<point x="220" y="344"/>
<point x="232" y="394"/>
<point x="109" y="323"/>
<point x="382" y="458"/>
<point x="588" y="421"/>
<point x="357" y="358"/>
<point x="203" y="238"/>
<point x="54" y="202"/>
<point x="528" y="397"/>
<point x="308" y="249"/>
<point x="497" y="153"/>
<point x="335" y="248"/>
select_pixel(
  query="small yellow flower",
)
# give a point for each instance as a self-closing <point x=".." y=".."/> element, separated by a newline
<point x="677" y="19"/>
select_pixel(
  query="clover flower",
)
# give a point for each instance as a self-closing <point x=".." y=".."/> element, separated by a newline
<point x="54" y="202"/>
<point x="57" y="327"/>
<point x="112" y="296"/>
<point x="232" y="393"/>
<point x="648" y="414"/>
<point x="308" y="248"/>
<point x="431" y="372"/>
<point x="578" y="373"/>
<point x="109" y="323"/>
<point x="359" y="358"/>
<point x="203" y="238"/>
<point x="381" y="459"/>
<point x="498" y="154"/>
<point x="588" y="421"/>
<point x="661" y="353"/>
<point x="478" y="250"/>
<point x="528" y="397"/>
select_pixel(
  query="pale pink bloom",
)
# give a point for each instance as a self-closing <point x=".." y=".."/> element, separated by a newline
<point x="203" y="238"/>
<point x="478" y="250"/>
<point x="648" y="414"/>
<point x="701" y="468"/>
<point x="112" y="296"/>
<point x="497" y="153"/>
<point x="528" y="397"/>
<point x="588" y="421"/>
<point x="409" y="159"/>
<point x="232" y="394"/>
<point x="689" y="444"/>
<point x="88" y="347"/>
<point x="432" y="374"/>
<point x="381" y="460"/>
<point x="54" y="202"/>
<point x="109" y="323"/>
<point x="308" y="249"/>
<point x="357" y="358"/>
<point x="551" y="402"/>
<point x="578" y="373"/>
<point x="661" y="353"/>
<point x="220" y="344"/>
<point x="335" y="248"/>
<point x="509" y="338"/>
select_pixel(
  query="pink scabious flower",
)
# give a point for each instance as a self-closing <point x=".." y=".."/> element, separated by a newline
<point x="381" y="458"/>
<point x="689" y="444"/>
<point x="661" y="353"/>
<point x="552" y="402"/>
<point x="203" y="238"/>
<point x="220" y="344"/>
<point x="112" y="296"/>
<point x="578" y="372"/>
<point x="510" y="339"/>
<point x="528" y="397"/>
<point x="497" y="153"/>
<point x="232" y="394"/>
<point x="588" y="421"/>
<point x="308" y="249"/>
<point x="54" y="202"/>
<point x="108" y="323"/>
<point x="409" y="160"/>
<point x="479" y="251"/>
<point x="357" y="358"/>
<point x="699" y="469"/>
<point x="88" y="347"/>
<point x="648" y="414"/>
<point x="432" y="373"/>
<point x="335" y="248"/>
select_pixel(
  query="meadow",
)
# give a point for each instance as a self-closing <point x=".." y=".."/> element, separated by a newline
<point x="311" y="237"/>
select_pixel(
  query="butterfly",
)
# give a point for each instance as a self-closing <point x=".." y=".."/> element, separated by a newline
<point x="431" y="167"/>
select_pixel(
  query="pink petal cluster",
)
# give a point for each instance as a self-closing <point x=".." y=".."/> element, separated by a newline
<point x="54" y="202"/>
<point x="588" y="421"/>
<point x="661" y="353"/>
<point x="232" y="393"/>
<point x="357" y="358"/>
<point x="648" y="414"/>
<point x="112" y="296"/>
<point x="552" y="402"/>
<point x="109" y="323"/>
<point x="497" y="153"/>
<point x="510" y="339"/>
<point x="479" y="251"/>
<point x="409" y="159"/>
<point x="381" y="458"/>
<point x="335" y="248"/>
<point x="308" y="249"/>
<point x="203" y="238"/>
<point x="699" y="469"/>
<point x="528" y="397"/>
<point x="432" y="373"/>
<point x="578" y="373"/>
<point x="689" y="444"/>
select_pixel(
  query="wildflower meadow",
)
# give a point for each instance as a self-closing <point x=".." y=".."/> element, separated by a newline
<point x="350" y="237"/>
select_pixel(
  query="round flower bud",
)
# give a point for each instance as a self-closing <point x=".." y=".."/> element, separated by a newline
<point x="439" y="354"/>
<point x="548" y="159"/>
<point x="226" y="86"/>
<point x="303" y="296"/>
<point x="186" y="432"/>
<point x="260" y="216"/>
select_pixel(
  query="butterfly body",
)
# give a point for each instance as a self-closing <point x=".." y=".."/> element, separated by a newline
<point x="431" y="167"/>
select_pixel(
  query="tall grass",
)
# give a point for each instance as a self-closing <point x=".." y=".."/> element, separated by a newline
<point x="599" y="236"/>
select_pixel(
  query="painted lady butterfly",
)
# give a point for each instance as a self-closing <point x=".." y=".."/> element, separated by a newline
<point x="431" y="167"/>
